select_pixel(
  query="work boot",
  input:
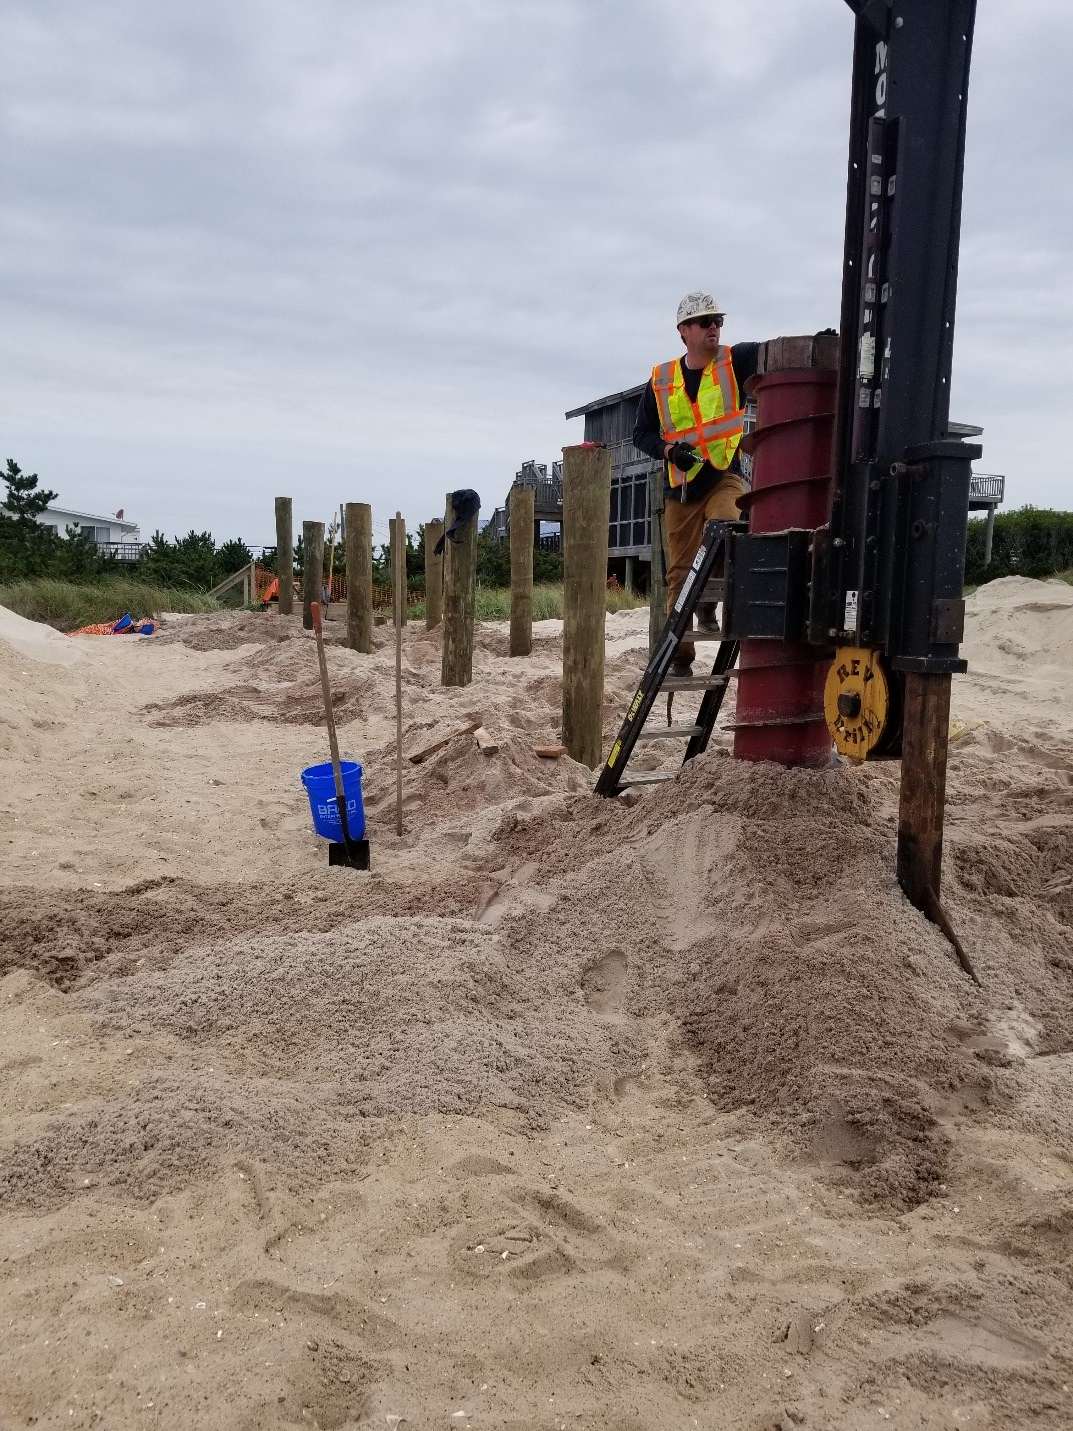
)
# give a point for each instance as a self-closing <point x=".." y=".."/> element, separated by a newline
<point x="682" y="665"/>
<point x="706" y="616"/>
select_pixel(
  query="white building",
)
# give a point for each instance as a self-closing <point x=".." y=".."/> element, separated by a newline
<point x="113" y="535"/>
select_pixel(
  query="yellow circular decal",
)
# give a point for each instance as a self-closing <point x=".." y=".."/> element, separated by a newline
<point x="856" y="701"/>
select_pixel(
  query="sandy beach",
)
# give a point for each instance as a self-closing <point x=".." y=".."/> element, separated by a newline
<point x="570" y="1114"/>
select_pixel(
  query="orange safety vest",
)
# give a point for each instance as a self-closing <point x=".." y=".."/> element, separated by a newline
<point x="713" y="424"/>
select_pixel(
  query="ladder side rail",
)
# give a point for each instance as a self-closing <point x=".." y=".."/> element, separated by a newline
<point x="712" y="702"/>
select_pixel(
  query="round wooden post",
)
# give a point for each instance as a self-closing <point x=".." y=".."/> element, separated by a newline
<point x="398" y="553"/>
<point x="312" y="569"/>
<point x="433" y="575"/>
<point x="521" y="516"/>
<point x="285" y="555"/>
<point x="925" y="739"/>
<point x="359" y="576"/>
<point x="459" y="577"/>
<point x="586" y="511"/>
<point x="657" y="570"/>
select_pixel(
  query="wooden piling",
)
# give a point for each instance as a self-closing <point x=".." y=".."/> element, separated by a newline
<point x="459" y="577"/>
<point x="586" y="509"/>
<point x="285" y="555"/>
<point x="398" y="553"/>
<point x="522" y="515"/>
<point x="657" y="569"/>
<point x="433" y="575"/>
<point x="925" y="737"/>
<point x="312" y="569"/>
<point x="359" y="576"/>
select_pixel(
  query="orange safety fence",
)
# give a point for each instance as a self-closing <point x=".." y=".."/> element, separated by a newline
<point x="383" y="596"/>
<point x="268" y="586"/>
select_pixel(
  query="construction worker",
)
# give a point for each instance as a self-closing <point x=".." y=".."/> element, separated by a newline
<point x="691" y="417"/>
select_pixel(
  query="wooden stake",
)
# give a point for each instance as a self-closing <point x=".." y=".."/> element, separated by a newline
<point x="392" y="522"/>
<point x="657" y="571"/>
<point x="359" y="576"/>
<point x="459" y="576"/>
<point x="398" y="568"/>
<point x="586" y="509"/>
<point x="522" y="524"/>
<point x="312" y="568"/>
<point x="433" y="575"/>
<point x="285" y="555"/>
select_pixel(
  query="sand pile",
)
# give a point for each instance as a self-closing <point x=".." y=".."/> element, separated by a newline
<point x="749" y="912"/>
<point x="73" y="937"/>
<point x="169" y="1129"/>
<point x="462" y="786"/>
<point x="758" y="906"/>
<point x="226" y="630"/>
<point x="298" y="702"/>
<point x="34" y="641"/>
<point x="1020" y="621"/>
<point x="751" y="909"/>
<point x="297" y="1038"/>
<point x="406" y="1015"/>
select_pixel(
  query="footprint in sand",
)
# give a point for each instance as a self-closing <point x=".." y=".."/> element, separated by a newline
<point x="603" y="983"/>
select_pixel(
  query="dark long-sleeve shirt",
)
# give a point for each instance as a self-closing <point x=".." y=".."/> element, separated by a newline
<point x="648" y="431"/>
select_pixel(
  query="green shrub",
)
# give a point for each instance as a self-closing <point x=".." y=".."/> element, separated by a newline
<point x="1033" y="541"/>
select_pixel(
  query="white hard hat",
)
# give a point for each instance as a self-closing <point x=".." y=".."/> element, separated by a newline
<point x="696" y="305"/>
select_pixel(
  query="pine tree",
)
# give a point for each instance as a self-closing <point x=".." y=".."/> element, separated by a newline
<point x="25" y="544"/>
<point x="22" y="501"/>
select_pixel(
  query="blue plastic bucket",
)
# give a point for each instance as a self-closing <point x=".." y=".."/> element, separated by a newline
<point x="320" y="787"/>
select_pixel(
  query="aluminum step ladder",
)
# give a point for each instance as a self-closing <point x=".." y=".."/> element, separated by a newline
<point x="701" y="586"/>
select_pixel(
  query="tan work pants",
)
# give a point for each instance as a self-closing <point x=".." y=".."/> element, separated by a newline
<point x="683" y="527"/>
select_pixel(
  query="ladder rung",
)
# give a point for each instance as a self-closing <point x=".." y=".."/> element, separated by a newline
<point x="668" y="731"/>
<point x="693" y="683"/>
<point x="653" y="777"/>
<point x="701" y="636"/>
<point x="715" y="591"/>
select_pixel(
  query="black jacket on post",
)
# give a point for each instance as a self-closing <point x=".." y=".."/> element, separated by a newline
<point x="648" y="431"/>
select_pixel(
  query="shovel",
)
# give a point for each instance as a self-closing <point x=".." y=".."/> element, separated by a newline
<point x="354" y="853"/>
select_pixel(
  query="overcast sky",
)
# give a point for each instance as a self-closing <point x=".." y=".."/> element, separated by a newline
<point x="351" y="250"/>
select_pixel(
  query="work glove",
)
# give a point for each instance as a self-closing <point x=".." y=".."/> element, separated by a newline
<point x="683" y="456"/>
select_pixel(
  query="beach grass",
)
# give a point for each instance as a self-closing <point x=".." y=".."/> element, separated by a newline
<point x="69" y="605"/>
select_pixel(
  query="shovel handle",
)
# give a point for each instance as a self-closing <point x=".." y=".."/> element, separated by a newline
<point x="329" y="719"/>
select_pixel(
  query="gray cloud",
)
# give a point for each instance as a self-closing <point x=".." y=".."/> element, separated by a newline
<point x="366" y="251"/>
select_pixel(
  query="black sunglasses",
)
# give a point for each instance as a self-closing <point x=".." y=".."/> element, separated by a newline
<point x="710" y="320"/>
